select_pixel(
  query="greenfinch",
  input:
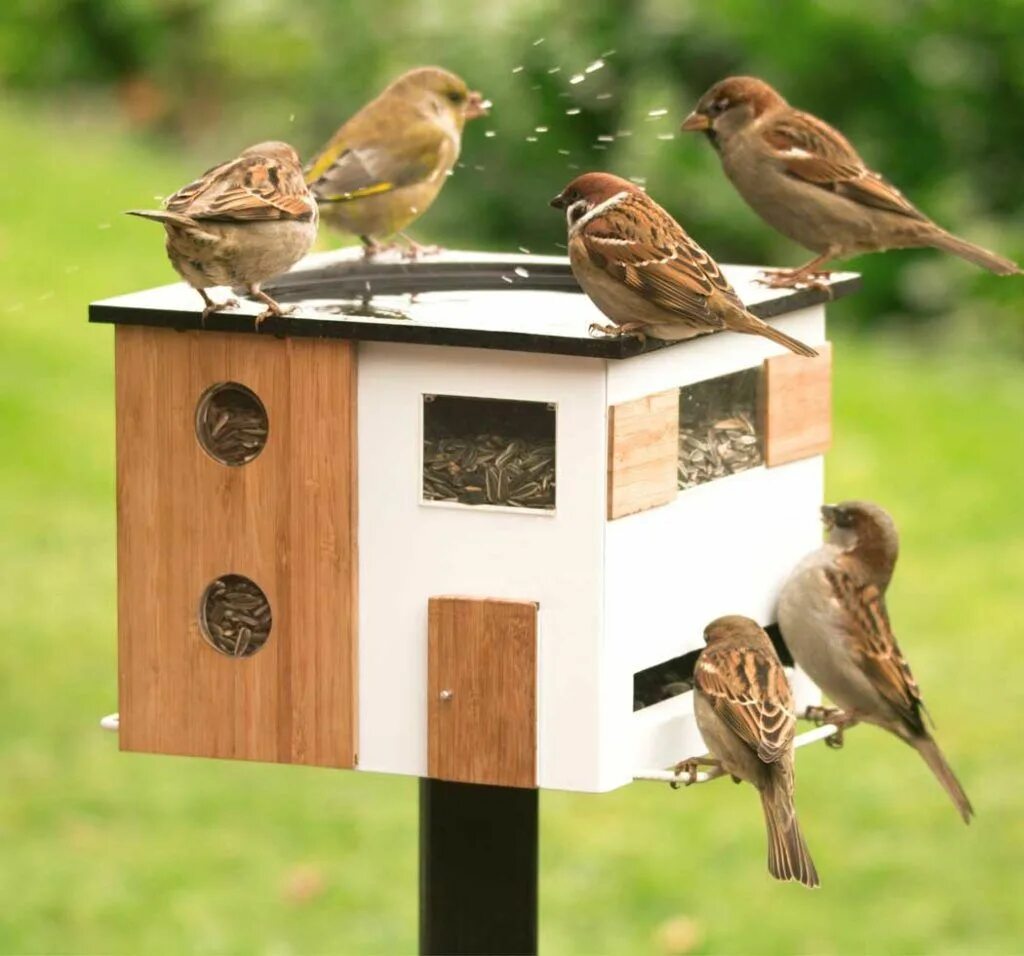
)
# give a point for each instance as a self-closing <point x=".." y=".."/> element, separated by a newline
<point x="240" y="223"/>
<point x="386" y="165"/>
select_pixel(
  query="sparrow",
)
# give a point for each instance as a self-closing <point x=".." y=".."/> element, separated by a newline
<point x="240" y="223"/>
<point x="385" y="166"/>
<point x="745" y="713"/>
<point x="644" y="272"/>
<point x="805" y="179"/>
<point x="834" y="621"/>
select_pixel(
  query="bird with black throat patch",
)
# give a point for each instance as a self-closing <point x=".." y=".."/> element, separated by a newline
<point x="745" y="712"/>
<point x="805" y="179"/>
<point x="641" y="269"/>
<point x="239" y="224"/>
<point x="834" y="621"/>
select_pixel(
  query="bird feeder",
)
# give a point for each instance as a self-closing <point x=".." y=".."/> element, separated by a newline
<point x="428" y="524"/>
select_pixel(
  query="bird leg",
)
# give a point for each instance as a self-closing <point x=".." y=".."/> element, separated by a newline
<point x="831" y="715"/>
<point x="691" y="768"/>
<point x="808" y="275"/>
<point x="211" y="307"/>
<point x="414" y="251"/>
<point x="617" y="331"/>
<point x="273" y="307"/>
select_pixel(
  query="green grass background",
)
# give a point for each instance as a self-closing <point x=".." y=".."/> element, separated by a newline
<point x="102" y="852"/>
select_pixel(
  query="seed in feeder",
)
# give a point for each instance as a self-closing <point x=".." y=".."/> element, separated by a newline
<point x="576" y="78"/>
<point x="575" y="111"/>
<point x="490" y="133"/>
<point x="517" y="69"/>
<point x="540" y="129"/>
<point x="654" y="114"/>
<point x="521" y="272"/>
<point x="666" y="136"/>
<point x="595" y="66"/>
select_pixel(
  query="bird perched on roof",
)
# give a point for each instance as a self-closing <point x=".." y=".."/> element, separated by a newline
<point x="805" y="179"/>
<point x="833" y="618"/>
<point x="385" y="166"/>
<point x="644" y="272"/>
<point x="239" y="224"/>
<point x="745" y="712"/>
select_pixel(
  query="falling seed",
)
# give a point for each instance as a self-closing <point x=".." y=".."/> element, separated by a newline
<point x="414" y="210"/>
<point x="666" y="135"/>
<point x="571" y="166"/>
<point x="461" y="165"/>
<point x="540" y="129"/>
<point x="639" y="180"/>
<point x="70" y="269"/>
<point x="479" y="169"/>
<point x="536" y="86"/>
<point x="623" y="133"/>
<point x="654" y="114"/>
<point x="291" y="117"/>
<point x="531" y="139"/>
<point x="524" y="250"/>
<point x="159" y="198"/>
<point x="565" y="152"/>
<point x="490" y="133"/>
<point x="603" y="96"/>
<point x="449" y="172"/>
<point x="608" y="53"/>
<point x="575" y="111"/>
<point x="606" y="139"/>
<point x="486" y="104"/>
<point x="517" y="69"/>
<point x="561" y="245"/>
<point x="507" y="279"/>
<point x="599" y="146"/>
<point x="538" y="41"/>
<point x="595" y="66"/>
<point x="576" y="78"/>
<point x="521" y="272"/>
<point x="554" y="69"/>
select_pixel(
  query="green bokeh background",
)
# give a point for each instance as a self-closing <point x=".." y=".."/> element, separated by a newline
<point x="104" y="105"/>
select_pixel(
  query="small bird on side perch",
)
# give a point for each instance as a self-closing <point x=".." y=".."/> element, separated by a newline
<point x="807" y="181"/>
<point x="745" y="712"/>
<point x="241" y="223"/>
<point x="833" y="618"/>
<point x="644" y="272"/>
<point x="386" y="165"/>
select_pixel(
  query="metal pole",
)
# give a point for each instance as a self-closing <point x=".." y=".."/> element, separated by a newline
<point x="478" y="870"/>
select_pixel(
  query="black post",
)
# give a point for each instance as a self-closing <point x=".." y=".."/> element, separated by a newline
<point x="478" y="870"/>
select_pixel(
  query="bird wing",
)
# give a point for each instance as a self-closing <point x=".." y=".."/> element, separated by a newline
<point x="748" y="689"/>
<point x="246" y="189"/>
<point x="350" y="168"/>
<point x="869" y="635"/>
<point x="811" y="150"/>
<point x="640" y="245"/>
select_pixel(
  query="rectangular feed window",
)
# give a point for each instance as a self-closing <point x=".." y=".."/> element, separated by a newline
<point x="720" y="431"/>
<point x="487" y="451"/>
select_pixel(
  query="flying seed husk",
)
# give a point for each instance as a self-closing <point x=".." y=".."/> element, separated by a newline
<point x="236" y="616"/>
<point x="490" y="470"/>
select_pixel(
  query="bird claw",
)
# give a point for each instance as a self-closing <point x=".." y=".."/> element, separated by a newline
<point x="634" y="329"/>
<point x="226" y="306"/>
<point x="413" y="251"/>
<point x="830" y="715"/>
<point x="795" y="279"/>
<point x="275" y="311"/>
<point x="691" y="768"/>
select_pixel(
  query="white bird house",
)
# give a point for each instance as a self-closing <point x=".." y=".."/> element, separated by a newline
<point x="428" y="524"/>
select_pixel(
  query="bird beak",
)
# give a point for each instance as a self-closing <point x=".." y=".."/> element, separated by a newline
<point x="476" y="105"/>
<point x="558" y="202"/>
<point x="696" y="123"/>
<point x="828" y="515"/>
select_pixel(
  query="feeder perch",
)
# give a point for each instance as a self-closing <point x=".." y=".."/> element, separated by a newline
<point x="428" y="525"/>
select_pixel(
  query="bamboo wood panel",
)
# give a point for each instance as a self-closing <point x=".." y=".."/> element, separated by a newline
<point x="286" y="520"/>
<point x="797" y="406"/>
<point x="481" y="691"/>
<point x="643" y="452"/>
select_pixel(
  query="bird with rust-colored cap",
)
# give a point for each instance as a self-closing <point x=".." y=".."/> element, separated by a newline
<point x="644" y="272"/>
<point x="804" y="179"/>
<point x="239" y="224"/>
<point x="386" y="165"/>
<point x="833" y="618"/>
<point x="744" y="709"/>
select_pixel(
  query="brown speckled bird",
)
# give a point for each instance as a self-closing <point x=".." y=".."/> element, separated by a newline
<point x="805" y="180"/>
<point x="644" y="272"/>
<point x="833" y="618"/>
<point x="744" y="709"/>
<point x="241" y="223"/>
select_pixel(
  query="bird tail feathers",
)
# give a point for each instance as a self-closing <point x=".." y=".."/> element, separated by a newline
<point x="177" y="220"/>
<point x="929" y="750"/>
<point x="940" y="239"/>
<point x="752" y="325"/>
<point x="788" y="856"/>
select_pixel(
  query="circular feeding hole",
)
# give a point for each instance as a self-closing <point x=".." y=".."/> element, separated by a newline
<point x="234" y="615"/>
<point x="231" y="423"/>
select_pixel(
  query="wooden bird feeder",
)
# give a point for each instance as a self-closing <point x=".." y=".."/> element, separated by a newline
<point x="429" y="525"/>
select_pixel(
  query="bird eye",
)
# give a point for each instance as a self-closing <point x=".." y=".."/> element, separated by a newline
<point x="720" y="106"/>
<point x="456" y="97"/>
<point x="843" y="518"/>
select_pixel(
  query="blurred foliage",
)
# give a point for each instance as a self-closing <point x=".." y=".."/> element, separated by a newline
<point x="931" y="92"/>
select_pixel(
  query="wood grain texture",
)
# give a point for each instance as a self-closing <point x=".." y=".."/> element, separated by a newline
<point x="643" y="451"/>
<point x="483" y="652"/>
<point x="286" y="520"/>
<point x="797" y="406"/>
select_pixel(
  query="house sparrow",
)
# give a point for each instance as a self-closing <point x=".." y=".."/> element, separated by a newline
<point x="744" y="709"/>
<point x="644" y="272"/>
<point x="805" y="179"/>
<point x="833" y="618"/>
<point x="239" y="224"/>
<point x="386" y="165"/>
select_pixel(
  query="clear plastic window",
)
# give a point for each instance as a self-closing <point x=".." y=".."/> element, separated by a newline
<point x="492" y="452"/>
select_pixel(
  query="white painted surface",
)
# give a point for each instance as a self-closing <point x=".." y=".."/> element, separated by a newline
<point x="409" y="552"/>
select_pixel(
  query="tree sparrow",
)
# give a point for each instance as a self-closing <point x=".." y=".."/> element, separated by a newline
<point x="644" y="272"/>
<point x="241" y="223"/>
<point x="833" y="618"/>
<point x="744" y="709"/>
<point x="385" y="166"/>
<point x="805" y="179"/>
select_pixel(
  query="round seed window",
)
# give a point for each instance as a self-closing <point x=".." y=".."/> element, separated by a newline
<point x="234" y="616"/>
<point x="231" y="423"/>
